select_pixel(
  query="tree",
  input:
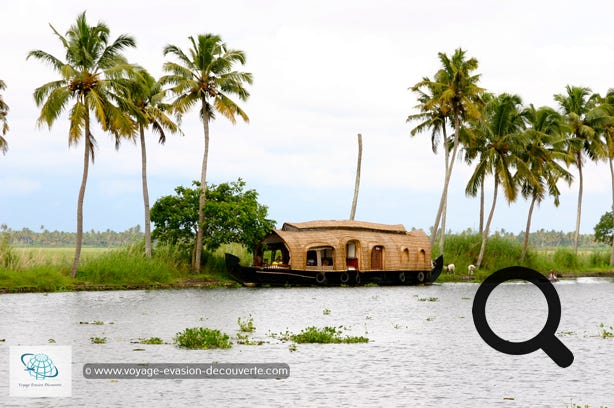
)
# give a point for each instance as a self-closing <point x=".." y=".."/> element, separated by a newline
<point x="498" y="136"/>
<point x="452" y="95"/>
<point x="604" y="117"/>
<point x="432" y="117"/>
<point x="206" y="77"/>
<point x="576" y="105"/>
<point x="231" y="215"/>
<point x="604" y="229"/>
<point x="87" y="79"/>
<point x="4" y="126"/>
<point x="543" y="151"/>
<point x="143" y="97"/>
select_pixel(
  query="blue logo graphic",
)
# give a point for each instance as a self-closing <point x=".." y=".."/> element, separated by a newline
<point x="39" y="366"/>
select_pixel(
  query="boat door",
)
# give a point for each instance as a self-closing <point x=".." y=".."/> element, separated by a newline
<point x="377" y="257"/>
<point x="351" y="256"/>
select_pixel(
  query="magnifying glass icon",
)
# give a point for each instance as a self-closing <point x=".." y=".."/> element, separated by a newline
<point x="545" y="340"/>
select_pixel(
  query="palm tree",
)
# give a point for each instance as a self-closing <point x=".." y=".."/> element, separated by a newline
<point x="452" y="94"/>
<point x="576" y="106"/>
<point x="4" y="126"/>
<point x="143" y="97"/>
<point x="499" y="134"/>
<point x="543" y="151"/>
<point x="87" y="80"/>
<point x="604" y="117"/>
<point x="432" y="117"/>
<point x="205" y="77"/>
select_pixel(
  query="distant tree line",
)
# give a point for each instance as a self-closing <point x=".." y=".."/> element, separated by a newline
<point x="542" y="239"/>
<point x="26" y="237"/>
<point x="45" y="238"/>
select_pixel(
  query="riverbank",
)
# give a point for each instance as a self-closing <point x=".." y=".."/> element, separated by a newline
<point x="63" y="284"/>
<point x="47" y="269"/>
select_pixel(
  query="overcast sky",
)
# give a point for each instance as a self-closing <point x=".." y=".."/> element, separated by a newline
<point x="323" y="72"/>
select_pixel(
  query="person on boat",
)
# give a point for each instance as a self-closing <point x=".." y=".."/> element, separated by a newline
<point x="278" y="261"/>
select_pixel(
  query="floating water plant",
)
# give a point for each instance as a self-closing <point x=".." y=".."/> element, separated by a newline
<point x="202" y="338"/>
<point x="322" y="335"/>
<point x="326" y="311"/>
<point x="606" y="332"/>
<point x="246" y="325"/>
<point x="431" y="299"/>
<point x="151" y="340"/>
<point x="98" y="340"/>
<point x="245" y="340"/>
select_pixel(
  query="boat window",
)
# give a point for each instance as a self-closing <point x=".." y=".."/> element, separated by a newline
<point x="351" y="255"/>
<point x="275" y="256"/>
<point x="320" y="256"/>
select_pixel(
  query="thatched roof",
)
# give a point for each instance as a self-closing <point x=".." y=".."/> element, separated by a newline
<point x="342" y="224"/>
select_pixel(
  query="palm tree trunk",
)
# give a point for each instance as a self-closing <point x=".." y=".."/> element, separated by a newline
<point x="86" y="164"/>
<point x="357" y="183"/>
<point x="446" y="183"/>
<point x="487" y="227"/>
<point x="145" y="193"/>
<point x="446" y="150"/>
<point x="525" y="244"/>
<point x="579" y="213"/>
<point x="442" y="234"/>
<point x="481" y="207"/>
<point x="203" y="190"/>
<point x="612" y="178"/>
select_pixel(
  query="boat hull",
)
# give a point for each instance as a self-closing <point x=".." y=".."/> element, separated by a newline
<point x="277" y="276"/>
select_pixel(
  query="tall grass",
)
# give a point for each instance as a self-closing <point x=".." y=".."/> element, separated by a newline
<point x="462" y="250"/>
<point x="44" y="269"/>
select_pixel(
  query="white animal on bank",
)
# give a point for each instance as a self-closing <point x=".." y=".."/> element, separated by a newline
<point x="471" y="268"/>
<point x="451" y="268"/>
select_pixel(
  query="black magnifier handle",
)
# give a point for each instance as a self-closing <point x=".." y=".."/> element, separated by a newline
<point x="557" y="351"/>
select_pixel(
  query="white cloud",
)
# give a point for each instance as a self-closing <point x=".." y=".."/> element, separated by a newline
<point x="324" y="71"/>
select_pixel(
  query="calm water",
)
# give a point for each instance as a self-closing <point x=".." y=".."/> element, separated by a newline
<point x="424" y="350"/>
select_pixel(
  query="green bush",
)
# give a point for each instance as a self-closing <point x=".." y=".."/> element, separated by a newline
<point x="202" y="338"/>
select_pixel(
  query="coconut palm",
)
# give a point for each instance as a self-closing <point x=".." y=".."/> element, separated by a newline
<point x="4" y="126"/>
<point x="604" y="118"/>
<point x="455" y="95"/>
<point x="544" y="150"/>
<point x="205" y="77"/>
<point x="87" y="80"/>
<point x="432" y="118"/>
<point x="499" y="134"/>
<point x="576" y="105"/>
<point x="143" y="97"/>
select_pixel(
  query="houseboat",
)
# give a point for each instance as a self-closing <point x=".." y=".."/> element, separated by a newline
<point x="339" y="253"/>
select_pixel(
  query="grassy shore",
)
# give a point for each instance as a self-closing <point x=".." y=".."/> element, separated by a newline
<point x="47" y="269"/>
<point x="462" y="250"/>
